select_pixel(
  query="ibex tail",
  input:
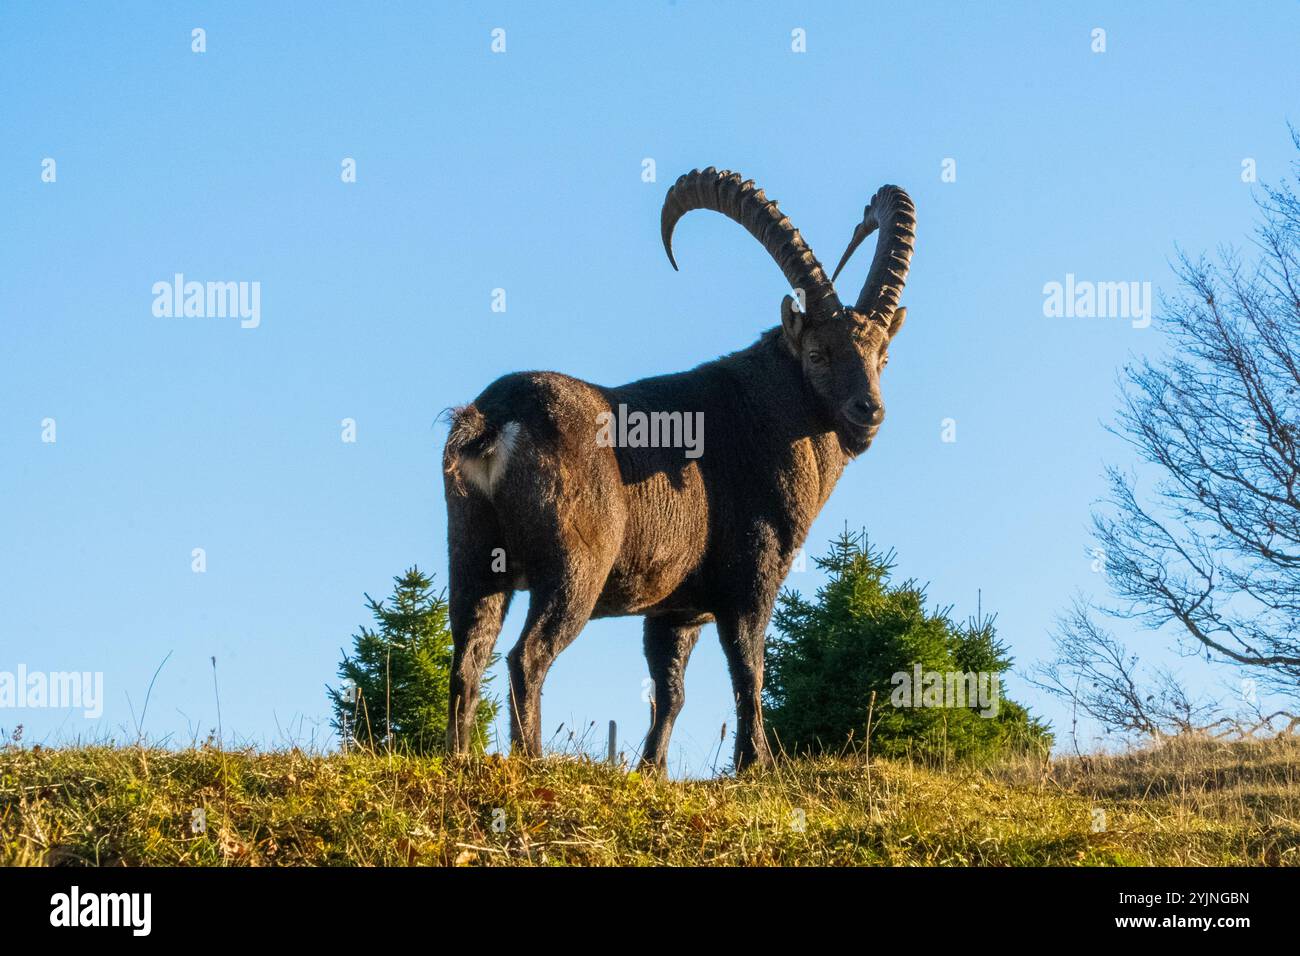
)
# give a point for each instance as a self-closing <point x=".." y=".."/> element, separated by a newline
<point x="477" y="450"/>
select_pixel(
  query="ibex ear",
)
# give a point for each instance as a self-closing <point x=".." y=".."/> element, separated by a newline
<point x="896" y="323"/>
<point x="793" y="323"/>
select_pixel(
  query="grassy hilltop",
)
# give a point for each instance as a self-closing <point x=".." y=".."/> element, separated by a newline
<point x="1189" y="802"/>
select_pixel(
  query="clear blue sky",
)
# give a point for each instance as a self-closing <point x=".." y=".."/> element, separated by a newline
<point x="523" y="171"/>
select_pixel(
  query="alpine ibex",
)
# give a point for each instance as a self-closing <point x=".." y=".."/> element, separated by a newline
<point x="591" y="528"/>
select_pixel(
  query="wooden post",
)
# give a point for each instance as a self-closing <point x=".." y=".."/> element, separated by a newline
<point x="613" y="741"/>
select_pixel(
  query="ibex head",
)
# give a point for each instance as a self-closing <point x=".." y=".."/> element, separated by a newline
<point x="842" y="350"/>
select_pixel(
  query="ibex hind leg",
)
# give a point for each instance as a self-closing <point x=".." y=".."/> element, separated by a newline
<point x="479" y="596"/>
<point x="560" y="604"/>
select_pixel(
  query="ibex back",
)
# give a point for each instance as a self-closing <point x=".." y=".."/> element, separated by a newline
<point x="547" y="493"/>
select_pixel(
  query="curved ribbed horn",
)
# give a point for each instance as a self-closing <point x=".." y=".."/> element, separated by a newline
<point x="741" y="201"/>
<point x="892" y="212"/>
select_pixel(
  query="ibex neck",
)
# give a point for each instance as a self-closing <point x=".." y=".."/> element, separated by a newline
<point x="779" y="399"/>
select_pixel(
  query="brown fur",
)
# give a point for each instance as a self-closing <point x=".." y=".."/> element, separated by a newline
<point x="594" y="531"/>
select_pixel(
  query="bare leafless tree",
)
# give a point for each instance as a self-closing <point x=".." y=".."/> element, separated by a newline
<point x="1097" y="674"/>
<point x="1215" y="551"/>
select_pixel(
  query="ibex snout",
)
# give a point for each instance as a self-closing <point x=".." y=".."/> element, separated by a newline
<point x="864" y="412"/>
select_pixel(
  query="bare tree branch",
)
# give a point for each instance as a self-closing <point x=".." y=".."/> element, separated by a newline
<point x="1213" y="548"/>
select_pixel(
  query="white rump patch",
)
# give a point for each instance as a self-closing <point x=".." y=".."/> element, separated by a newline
<point x="485" y="471"/>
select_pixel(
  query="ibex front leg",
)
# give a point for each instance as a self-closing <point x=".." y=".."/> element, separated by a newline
<point x="667" y="649"/>
<point x="743" y="636"/>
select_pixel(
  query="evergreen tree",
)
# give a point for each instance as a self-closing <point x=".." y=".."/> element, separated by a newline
<point x="396" y="682"/>
<point x="861" y="634"/>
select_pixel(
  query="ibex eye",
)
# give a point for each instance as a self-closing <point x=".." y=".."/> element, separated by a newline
<point x="817" y="358"/>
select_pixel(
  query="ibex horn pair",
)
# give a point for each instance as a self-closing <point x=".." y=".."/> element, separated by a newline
<point x="890" y="210"/>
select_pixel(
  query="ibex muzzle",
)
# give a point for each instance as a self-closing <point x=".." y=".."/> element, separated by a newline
<point x="594" y="529"/>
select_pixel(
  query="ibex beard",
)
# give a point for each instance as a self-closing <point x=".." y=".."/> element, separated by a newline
<point x="598" y="529"/>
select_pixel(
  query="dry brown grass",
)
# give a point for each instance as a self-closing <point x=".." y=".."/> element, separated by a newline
<point x="1188" y="802"/>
